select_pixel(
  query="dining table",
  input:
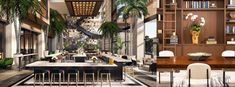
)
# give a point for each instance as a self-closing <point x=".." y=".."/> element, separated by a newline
<point x="181" y="62"/>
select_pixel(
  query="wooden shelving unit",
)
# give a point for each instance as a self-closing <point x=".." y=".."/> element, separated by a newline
<point x="217" y="19"/>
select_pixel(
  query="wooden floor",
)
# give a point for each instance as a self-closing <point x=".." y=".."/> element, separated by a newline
<point x="184" y="61"/>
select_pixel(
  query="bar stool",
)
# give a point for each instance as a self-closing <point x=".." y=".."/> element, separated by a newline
<point x="57" y="71"/>
<point x="73" y="71"/>
<point x="108" y="76"/>
<point x="89" y="72"/>
<point x="40" y="72"/>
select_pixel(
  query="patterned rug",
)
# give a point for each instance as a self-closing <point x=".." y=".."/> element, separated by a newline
<point x="129" y="82"/>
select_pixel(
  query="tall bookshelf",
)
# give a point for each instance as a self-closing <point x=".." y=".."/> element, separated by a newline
<point x="217" y="17"/>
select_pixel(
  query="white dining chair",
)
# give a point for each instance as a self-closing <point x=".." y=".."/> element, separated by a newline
<point x="198" y="75"/>
<point x="166" y="53"/>
<point x="228" y="53"/>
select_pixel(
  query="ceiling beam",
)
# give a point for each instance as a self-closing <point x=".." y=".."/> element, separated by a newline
<point x="70" y="7"/>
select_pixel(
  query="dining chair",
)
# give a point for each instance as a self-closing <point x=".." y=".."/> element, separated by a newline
<point x="198" y="75"/>
<point x="166" y="53"/>
<point x="228" y="53"/>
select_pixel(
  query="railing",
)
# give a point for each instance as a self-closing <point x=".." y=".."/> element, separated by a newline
<point x="27" y="58"/>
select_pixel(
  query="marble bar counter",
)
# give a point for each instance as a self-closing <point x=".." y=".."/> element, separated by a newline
<point x="55" y="64"/>
<point x="80" y="66"/>
<point x="120" y="62"/>
<point x="116" y="59"/>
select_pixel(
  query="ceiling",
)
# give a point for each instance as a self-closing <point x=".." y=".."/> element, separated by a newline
<point x="60" y="6"/>
<point x="83" y="7"/>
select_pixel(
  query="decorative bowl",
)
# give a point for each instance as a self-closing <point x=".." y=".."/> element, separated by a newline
<point x="199" y="56"/>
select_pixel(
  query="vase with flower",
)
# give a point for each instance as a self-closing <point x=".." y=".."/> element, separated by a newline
<point x="195" y="26"/>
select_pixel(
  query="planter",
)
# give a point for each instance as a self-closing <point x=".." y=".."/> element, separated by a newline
<point x="195" y="36"/>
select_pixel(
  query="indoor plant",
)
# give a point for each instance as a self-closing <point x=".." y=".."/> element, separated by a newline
<point x="15" y="11"/>
<point x="109" y="30"/>
<point x="196" y="26"/>
<point x="132" y="9"/>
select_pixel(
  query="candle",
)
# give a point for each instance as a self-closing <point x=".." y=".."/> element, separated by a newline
<point x="173" y="1"/>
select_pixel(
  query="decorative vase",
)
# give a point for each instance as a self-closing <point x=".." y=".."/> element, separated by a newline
<point x="195" y="35"/>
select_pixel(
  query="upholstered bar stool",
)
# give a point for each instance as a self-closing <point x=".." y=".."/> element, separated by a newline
<point x="106" y="73"/>
<point x="59" y="72"/>
<point x="40" y="72"/>
<point x="87" y="73"/>
<point x="72" y="71"/>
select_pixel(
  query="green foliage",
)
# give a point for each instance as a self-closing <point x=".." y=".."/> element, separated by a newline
<point x="134" y="8"/>
<point x="109" y="29"/>
<point x="18" y="8"/>
<point x="119" y="43"/>
<point x="195" y="27"/>
<point x="81" y="44"/>
<point x="57" y="23"/>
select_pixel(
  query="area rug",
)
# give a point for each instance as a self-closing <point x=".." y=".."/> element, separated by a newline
<point x="128" y="82"/>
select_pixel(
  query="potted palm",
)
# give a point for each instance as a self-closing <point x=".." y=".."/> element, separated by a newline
<point x="133" y="9"/>
<point x="119" y="44"/>
<point x="109" y="30"/>
<point x="15" y="11"/>
<point x="57" y="24"/>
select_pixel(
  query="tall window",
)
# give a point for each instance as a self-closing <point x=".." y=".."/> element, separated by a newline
<point x="150" y="34"/>
<point x="28" y="42"/>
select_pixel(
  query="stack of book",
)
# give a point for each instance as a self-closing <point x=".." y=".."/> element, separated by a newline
<point x="211" y="40"/>
<point x="197" y="4"/>
<point x="231" y="6"/>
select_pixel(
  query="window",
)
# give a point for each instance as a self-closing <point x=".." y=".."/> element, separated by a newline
<point x="150" y="34"/>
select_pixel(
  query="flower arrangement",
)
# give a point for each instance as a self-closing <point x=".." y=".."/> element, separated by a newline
<point x="197" y="22"/>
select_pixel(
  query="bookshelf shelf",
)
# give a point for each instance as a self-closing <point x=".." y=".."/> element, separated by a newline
<point x="216" y="14"/>
<point x="203" y="9"/>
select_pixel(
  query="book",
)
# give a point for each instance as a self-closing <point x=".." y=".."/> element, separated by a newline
<point x="230" y="42"/>
<point x="227" y="29"/>
<point x="211" y="42"/>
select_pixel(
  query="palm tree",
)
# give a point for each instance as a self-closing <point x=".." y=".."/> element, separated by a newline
<point x="57" y="24"/>
<point x="17" y="10"/>
<point x="109" y="29"/>
<point x="118" y="44"/>
<point x="133" y="9"/>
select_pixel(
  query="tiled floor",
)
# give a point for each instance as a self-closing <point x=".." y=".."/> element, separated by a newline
<point x="10" y="76"/>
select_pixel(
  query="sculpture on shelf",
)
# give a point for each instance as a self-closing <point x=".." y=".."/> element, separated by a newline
<point x="196" y="26"/>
